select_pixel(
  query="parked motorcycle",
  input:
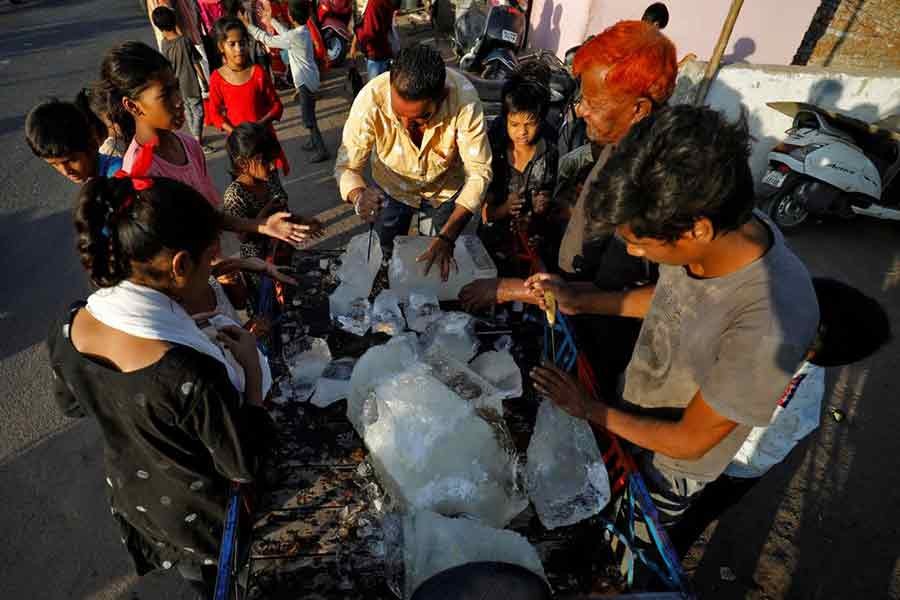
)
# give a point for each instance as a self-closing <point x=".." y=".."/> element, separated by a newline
<point x="489" y="49"/>
<point x="333" y="22"/>
<point x="831" y="164"/>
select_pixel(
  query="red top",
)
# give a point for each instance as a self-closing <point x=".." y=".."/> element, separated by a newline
<point x="249" y="101"/>
<point x="374" y="33"/>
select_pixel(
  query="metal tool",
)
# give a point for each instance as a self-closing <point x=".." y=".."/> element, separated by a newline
<point x="369" y="251"/>
<point x="550" y="311"/>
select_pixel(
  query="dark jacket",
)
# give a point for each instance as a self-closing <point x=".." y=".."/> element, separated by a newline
<point x="540" y="175"/>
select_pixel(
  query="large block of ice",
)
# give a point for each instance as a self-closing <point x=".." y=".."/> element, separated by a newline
<point x="386" y="314"/>
<point x="454" y="334"/>
<point x="567" y="480"/>
<point x="433" y="543"/>
<point x="306" y="368"/>
<point x="377" y="363"/>
<point x="501" y="370"/>
<point x="406" y="275"/>
<point x="422" y="310"/>
<point x="432" y="450"/>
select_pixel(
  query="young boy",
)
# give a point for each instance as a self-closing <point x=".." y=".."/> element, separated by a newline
<point x="186" y="61"/>
<point x="61" y="134"/>
<point x="298" y="42"/>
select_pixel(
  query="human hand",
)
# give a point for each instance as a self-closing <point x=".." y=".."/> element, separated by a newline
<point x="259" y="265"/>
<point x="541" y="202"/>
<point x="563" y="389"/>
<point x="282" y="226"/>
<point x="242" y="345"/>
<point x="243" y="16"/>
<point x="566" y="297"/>
<point x="481" y="293"/>
<point x="512" y="207"/>
<point x="367" y="204"/>
<point x="265" y="12"/>
<point x="439" y="251"/>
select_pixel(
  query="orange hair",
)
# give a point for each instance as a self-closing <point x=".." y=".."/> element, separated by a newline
<point x="640" y="60"/>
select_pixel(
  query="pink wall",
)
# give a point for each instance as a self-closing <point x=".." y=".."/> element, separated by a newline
<point x="766" y="32"/>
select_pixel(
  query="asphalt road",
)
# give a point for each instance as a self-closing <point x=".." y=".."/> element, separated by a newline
<point x="822" y="525"/>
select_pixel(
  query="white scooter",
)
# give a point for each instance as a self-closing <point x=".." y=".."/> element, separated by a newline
<point x="831" y="164"/>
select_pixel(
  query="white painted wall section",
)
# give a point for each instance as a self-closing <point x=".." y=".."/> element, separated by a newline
<point x="868" y="96"/>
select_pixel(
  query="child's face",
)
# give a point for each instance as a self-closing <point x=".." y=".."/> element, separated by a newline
<point x="259" y="168"/>
<point x="234" y="49"/>
<point x="522" y="128"/>
<point x="160" y="105"/>
<point x="77" y="167"/>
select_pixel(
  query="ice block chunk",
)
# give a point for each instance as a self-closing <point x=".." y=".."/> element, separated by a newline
<point x="432" y="451"/>
<point x="350" y="310"/>
<point x="500" y="369"/>
<point x="334" y="382"/>
<point x="379" y="362"/>
<point x="386" y="314"/>
<point x="406" y="275"/>
<point x="567" y="480"/>
<point x="454" y="333"/>
<point x="306" y="368"/>
<point x="349" y="303"/>
<point x="464" y="381"/>
<point x="422" y="310"/>
<point x="433" y="543"/>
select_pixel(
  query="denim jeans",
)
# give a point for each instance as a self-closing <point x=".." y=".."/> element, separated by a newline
<point x="374" y="68"/>
<point x="193" y="112"/>
<point x="396" y="218"/>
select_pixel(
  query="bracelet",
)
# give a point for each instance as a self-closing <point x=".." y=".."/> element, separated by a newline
<point x="447" y="239"/>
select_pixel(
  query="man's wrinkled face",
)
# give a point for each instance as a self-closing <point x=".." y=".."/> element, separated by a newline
<point x="608" y="115"/>
<point x="414" y="115"/>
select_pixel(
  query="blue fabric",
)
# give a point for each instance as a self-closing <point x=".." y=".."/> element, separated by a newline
<point x="107" y="165"/>
<point x="374" y="68"/>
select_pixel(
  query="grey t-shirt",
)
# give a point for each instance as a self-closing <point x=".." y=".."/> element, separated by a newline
<point x="737" y="338"/>
<point x="182" y="55"/>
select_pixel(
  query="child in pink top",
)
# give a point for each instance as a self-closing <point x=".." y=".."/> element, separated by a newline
<point x="143" y="98"/>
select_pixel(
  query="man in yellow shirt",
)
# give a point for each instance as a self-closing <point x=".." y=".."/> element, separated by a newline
<point x="423" y="129"/>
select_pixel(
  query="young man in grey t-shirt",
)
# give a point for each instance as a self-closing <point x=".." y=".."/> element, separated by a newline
<point x="725" y="327"/>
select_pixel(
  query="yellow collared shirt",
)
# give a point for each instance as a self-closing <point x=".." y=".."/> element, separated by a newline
<point x="454" y="156"/>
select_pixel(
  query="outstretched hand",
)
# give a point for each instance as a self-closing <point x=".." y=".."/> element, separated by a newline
<point x="439" y="251"/>
<point x="566" y="297"/>
<point x="562" y="389"/>
<point x="283" y="226"/>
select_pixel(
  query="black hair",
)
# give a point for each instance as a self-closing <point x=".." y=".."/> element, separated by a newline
<point x="299" y="10"/>
<point x="232" y="8"/>
<point x="126" y="71"/>
<point x="226" y="24"/>
<point x="163" y="18"/>
<point x="852" y="325"/>
<point x="525" y="95"/>
<point x="249" y="140"/>
<point x="419" y="73"/>
<point x="57" y="129"/>
<point x="120" y="230"/>
<point x="675" y="166"/>
<point x="658" y="14"/>
<point x="86" y="102"/>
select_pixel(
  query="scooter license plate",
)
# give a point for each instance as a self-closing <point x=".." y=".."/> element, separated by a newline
<point x="775" y="178"/>
<point x="510" y="36"/>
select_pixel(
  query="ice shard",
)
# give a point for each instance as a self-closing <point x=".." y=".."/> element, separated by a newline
<point x="567" y="480"/>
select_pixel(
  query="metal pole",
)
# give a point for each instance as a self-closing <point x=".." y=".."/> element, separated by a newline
<point x="713" y="65"/>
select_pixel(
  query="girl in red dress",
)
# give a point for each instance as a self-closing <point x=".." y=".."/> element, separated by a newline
<point x="239" y="91"/>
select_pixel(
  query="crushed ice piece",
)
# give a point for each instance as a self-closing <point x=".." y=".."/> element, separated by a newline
<point x="378" y="362"/>
<point x="386" y="314"/>
<point x="567" y="480"/>
<point x="306" y="368"/>
<point x="406" y="275"/>
<point x="432" y="543"/>
<point x="503" y="343"/>
<point x="349" y="303"/>
<point x="433" y="451"/>
<point x="464" y="381"/>
<point x="421" y="310"/>
<point x="500" y="369"/>
<point x="334" y="383"/>
<point x="454" y="333"/>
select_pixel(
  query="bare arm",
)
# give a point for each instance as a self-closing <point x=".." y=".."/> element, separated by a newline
<point x="576" y="298"/>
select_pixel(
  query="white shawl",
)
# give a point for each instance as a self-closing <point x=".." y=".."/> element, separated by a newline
<point x="146" y="313"/>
